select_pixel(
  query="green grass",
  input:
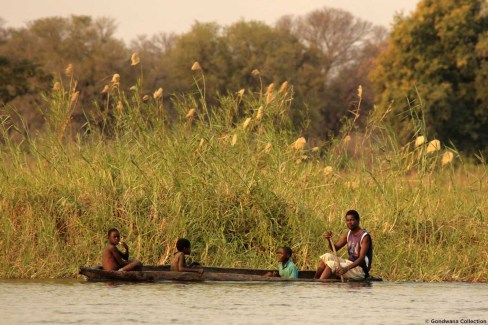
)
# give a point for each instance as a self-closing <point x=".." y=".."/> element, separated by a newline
<point x="157" y="176"/>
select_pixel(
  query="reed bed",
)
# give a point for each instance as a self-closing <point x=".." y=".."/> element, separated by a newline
<point x="237" y="180"/>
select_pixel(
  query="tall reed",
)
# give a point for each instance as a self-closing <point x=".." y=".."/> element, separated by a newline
<point x="238" y="181"/>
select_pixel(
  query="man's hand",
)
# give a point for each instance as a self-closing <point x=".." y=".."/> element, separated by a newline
<point x="328" y="235"/>
<point x="342" y="270"/>
<point x="124" y="245"/>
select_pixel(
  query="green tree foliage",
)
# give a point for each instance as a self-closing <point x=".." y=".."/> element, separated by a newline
<point x="229" y="55"/>
<point x="14" y="76"/>
<point x="42" y="50"/>
<point x="481" y="86"/>
<point x="203" y="43"/>
<point x="323" y="56"/>
<point x="441" y="51"/>
<point x="277" y="54"/>
<point x="155" y="64"/>
<point x="19" y="78"/>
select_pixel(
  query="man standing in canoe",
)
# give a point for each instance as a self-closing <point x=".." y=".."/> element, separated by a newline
<point x="359" y="247"/>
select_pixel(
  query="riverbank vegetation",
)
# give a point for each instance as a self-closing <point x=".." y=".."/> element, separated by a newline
<point x="440" y="51"/>
<point x="266" y="140"/>
<point x="237" y="179"/>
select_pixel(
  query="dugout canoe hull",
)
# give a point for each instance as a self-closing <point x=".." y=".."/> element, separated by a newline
<point x="163" y="273"/>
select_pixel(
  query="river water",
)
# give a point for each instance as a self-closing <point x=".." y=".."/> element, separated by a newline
<point x="81" y="302"/>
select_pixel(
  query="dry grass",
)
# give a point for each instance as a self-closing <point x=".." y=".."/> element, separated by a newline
<point x="237" y="187"/>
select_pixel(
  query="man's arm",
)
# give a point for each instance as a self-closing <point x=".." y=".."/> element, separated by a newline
<point x="339" y="244"/>
<point x="117" y="255"/>
<point x="272" y="274"/>
<point x="182" y="268"/>
<point x="365" y="243"/>
<point x="125" y="255"/>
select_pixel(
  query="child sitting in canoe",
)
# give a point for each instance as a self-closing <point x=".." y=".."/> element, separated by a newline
<point x="286" y="268"/>
<point x="114" y="259"/>
<point x="178" y="262"/>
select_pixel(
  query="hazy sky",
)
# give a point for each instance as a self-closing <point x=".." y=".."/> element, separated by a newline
<point x="154" y="16"/>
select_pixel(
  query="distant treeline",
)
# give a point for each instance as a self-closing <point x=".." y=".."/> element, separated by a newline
<point x="433" y="64"/>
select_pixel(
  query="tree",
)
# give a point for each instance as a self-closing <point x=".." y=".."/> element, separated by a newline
<point x="19" y="78"/>
<point x="438" y="50"/>
<point x="202" y="43"/>
<point x="229" y="55"/>
<point x="324" y="57"/>
<point x="155" y="61"/>
<point x="336" y="34"/>
<point x="89" y="45"/>
<point x="481" y="85"/>
<point x="276" y="53"/>
<point x="339" y="52"/>
<point x="46" y="46"/>
<point x="3" y="31"/>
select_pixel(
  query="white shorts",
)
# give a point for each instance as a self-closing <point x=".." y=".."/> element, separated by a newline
<point x="356" y="273"/>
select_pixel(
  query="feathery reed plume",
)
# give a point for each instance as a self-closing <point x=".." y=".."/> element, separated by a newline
<point x="69" y="70"/>
<point x="63" y="127"/>
<point x="223" y="138"/>
<point x="120" y="106"/>
<point x="360" y="91"/>
<point x="269" y="98"/>
<point x="299" y="143"/>
<point x="283" y="87"/>
<point x="57" y="86"/>
<point x="202" y="142"/>
<point x="196" y="66"/>
<point x="419" y="141"/>
<point x="259" y="115"/>
<point x="346" y="139"/>
<point x="158" y="93"/>
<point x="351" y="185"/>
<point x="191" y="113"/>
<point x="328" y="170"/>
<point x="240" y="93"/>
<point x="105" y="89"/>
<point x="255" y="73"/>
<point x="434" y="145"/>
<point x="133" y="88"/>
<point x="74" y="97"/>
<point x="447" y="158"/>
<point x="268" y="147"/>
<point x="270" y="88"/>
<point x="315" y="149"/>
<point x="234" y="140"/>
<point x="116" y="79"/>
<point x="282" y="167"/>
<point x="246" y="123"/>
<point x="134" y="59"/>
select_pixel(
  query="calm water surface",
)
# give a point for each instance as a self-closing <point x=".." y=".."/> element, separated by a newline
<point x="77" y="301"/>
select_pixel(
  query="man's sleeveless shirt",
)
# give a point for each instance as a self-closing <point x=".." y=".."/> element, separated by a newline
<point x="354" y="247"/>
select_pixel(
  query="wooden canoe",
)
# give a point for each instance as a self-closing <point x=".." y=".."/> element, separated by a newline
<point x="162" y="273"/>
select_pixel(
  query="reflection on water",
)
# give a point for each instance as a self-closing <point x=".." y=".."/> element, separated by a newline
<point x="71" y="301"/>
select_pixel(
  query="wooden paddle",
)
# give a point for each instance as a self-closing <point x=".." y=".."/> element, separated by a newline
<point x="337" y="259"/>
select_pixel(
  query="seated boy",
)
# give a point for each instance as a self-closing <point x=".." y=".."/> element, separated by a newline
<point x="178" y="262"/>
<point x="115" y="260"/>
<point x="286" y="268"/>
